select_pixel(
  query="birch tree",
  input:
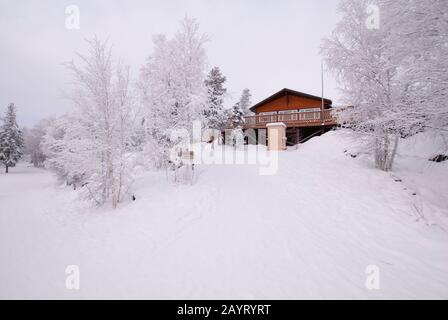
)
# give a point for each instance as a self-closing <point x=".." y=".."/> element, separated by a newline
<point x="172" y="84"/>
<point x="93" y="141"/>
<point x="390" y="74"/>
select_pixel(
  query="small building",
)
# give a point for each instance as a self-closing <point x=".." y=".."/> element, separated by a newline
<point x="304" y="115"/>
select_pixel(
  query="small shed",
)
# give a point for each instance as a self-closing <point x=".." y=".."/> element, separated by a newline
<point x="276" y="136"/>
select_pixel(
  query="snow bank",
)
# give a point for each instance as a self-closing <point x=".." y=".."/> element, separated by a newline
<point x="426" y="179"/>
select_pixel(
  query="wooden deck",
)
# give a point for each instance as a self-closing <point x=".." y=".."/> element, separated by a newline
<point x="292" y="120"/>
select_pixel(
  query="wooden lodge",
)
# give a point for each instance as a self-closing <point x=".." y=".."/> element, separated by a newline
<point x="304" y="115"/>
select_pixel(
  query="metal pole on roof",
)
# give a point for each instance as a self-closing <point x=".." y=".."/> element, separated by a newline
<point x="322" y="82"/>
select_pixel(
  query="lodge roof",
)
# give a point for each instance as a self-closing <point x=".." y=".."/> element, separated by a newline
<point x="285" y="92"/>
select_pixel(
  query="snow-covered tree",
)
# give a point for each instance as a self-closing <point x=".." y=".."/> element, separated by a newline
<point x="33" y="138"/>
<point x="236" y="137"/>
<point x="54" y="148"/>
<point x="419" y="30"/>
<point x="240" y="109"/>
<point x="245" y="102"/>
<point x="214" y="112"/>
<point x="236" y="115"/>
<point x="172" y="83"/>
<point x="11" y="139"/>
<point x="91" y="145"/>
<point x="387" y="73"/>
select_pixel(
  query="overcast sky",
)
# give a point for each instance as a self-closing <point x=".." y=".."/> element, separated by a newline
<point x="264" y="45"/>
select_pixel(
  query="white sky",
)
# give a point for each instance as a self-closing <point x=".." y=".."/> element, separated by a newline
<point x="265" y="45"/>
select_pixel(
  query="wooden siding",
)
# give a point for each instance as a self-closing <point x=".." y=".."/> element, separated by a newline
<point x="289" y="102"/>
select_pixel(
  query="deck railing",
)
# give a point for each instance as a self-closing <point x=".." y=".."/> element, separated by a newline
<point x="325" y="117"/>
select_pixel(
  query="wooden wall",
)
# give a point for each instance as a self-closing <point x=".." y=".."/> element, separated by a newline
<point x="289" y="102"/>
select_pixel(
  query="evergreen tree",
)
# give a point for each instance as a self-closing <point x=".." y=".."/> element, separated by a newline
<point x="215" y="113"/>
<point x="240" y="109"/>
<point x="237" y="115"/>
<point x="11" y="139"/>
<point x="245" y="102"/>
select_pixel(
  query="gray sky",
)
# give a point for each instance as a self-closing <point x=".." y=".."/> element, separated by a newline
<point x="264" y="45"/>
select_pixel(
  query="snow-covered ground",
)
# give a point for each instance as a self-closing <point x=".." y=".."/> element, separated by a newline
<point x="309" y="231"/>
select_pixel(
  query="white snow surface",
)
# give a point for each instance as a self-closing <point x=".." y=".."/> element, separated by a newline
<point x="307" y="232"/>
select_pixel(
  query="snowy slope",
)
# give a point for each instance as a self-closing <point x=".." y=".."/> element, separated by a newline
<point x="308" y="231"/>
<point x="429" y="180"/>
